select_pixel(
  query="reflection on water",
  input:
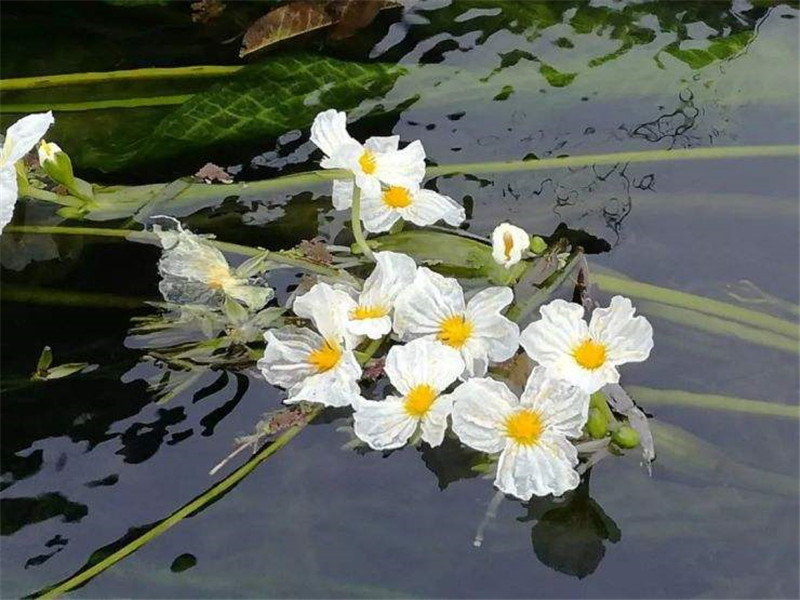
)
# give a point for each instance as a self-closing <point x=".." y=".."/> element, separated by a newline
<point x="91" y="461"/>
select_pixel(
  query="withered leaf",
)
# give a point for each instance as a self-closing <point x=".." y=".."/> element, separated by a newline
<point x="316" y="250"/>
<point x="210" y="173"/>
<point x="374" y="369"/>
<point x="355" y="15"/>
<point x="204" y="11"/>
<point x="285" y="22"/>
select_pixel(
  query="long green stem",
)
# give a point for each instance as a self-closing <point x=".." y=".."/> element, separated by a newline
<point x="650" y="396"/>
<point x="355" y="221"/>
<point x="96" y="104"/>
<point x="149" y="237"/>
<point x="149" y="74"/>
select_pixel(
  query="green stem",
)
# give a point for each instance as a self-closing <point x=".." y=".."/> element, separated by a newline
<point x="355" y="221"/>
<point x="149" y="237"/>
<point x="44" y="195"/>
<point x="96" y="104"/>
<point x="650" y="396"/>
<point x="49" y="297"/>
<point x="150" y="74"/>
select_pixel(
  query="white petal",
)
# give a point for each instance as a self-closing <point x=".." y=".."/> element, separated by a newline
<point x="422" y="361"/>
<point x="434" y="423"/>
<point x="375" y="214"/>
<point x="627" y="338"/>
<point x="421" y="307"/>
<point x="335" y="387"/>
<point x="508" y="244"/>
<point x="329" y="309"/>
<point x="329" y="132"/>
<point x="374" y="329"/>
<point x="23" y="135"/>
<point x="285" y="357"/>
<point x="480" y="410"/>
<point x="383" y="425"/>
<point x="404" y="167"/>
<point x="554" y="336"/>
<point x="342" y="194"/>
<point x="564" y="408"/>
<point x="428" y="207"/>
<point x="393" y="273"/>
<point x="499" y="335"/>
<point x="525" y="471"/>
<point x="388" y="143"/>
<point x="8" y="195"/>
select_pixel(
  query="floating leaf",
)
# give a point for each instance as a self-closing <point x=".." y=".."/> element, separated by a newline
<point x="719" y="49"/>
<point x="283" y="23"/>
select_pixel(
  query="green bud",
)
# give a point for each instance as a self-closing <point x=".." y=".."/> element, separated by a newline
<point x="56" y="164"/>
<point x="597" y="425"/>
<point x="538" y="245"/>
<point x="625" y="437"/>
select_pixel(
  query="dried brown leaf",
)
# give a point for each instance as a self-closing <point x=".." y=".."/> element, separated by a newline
<point x="374" y="369"/>
<point x="204" y="11"/>
<point x="285" y="22"/>
<point x="210" y="173"/>
<point x="316" y="250"/>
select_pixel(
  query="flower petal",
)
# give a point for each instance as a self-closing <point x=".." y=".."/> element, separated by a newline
<point x="554" y="336"/>
<point x="23" y="135"/>
<point x="422" y="362"/>
<point x="329" y="132"/>
<point x="434" y="424"/>
<point x="627" y="338"/>
<point x="564" y="408"/>
<point x="374" y="329"/>
<point x="508" y="244"/>
<point x="389" y="143"/>
<point x="499" y="334"/>
<point x="383" y="425"/>
<point x="342" y="194"/>
<point x="525" y="471"/>
<point x="404" y="167"/>
<point x="420" y="308"/>
<point x="480" y="409"/>
<point x="428" y="206"/>
<point x="329" y="309"/>
<point x="334" y="387"/>
<point x="376" y="216"/>
<point x="8" y="195"/>
<point x="285" y="360"/>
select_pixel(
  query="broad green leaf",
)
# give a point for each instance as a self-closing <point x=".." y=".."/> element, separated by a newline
<point x="718" y="49"/>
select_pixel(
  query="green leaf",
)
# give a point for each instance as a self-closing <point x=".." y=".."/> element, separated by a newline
<point x="45" y="360"/>
<point x="718" y="49"/>
<point x="451" y="254"/>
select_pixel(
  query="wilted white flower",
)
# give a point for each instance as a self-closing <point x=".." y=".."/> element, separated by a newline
<point x="193" y="271"/>
<point x="393" y="272"/>
<point x="434" y="308"/>
<point x="380" y="209"/>
<point x="378" y="160"/>
<point x="20" y="139"/>
<point x="421" y="370"/>
<point x="315" y="366"/>
<point x="587" y="355"/>
<point x="531" y="433"/>
<point x="508" y="244"/>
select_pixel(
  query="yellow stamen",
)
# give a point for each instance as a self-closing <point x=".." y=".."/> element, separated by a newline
<point x="219" y="276"/>
<point x="396" y="197"/>
<point x="524" y="427"/>
<point x="369" y="312"/>
<point x="419" y="400"/>
<point x="454" y="331"/>
<point x="590" y="355"/>
<point x="508" y="243"/>
<point x="367" y="162"/>
<point x="326" y="357"/>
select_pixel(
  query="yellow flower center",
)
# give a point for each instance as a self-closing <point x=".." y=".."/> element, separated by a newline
<point x="524" y="427"/>
<point x="590" y="355"/>
<point x="325" y="357"/>
<point x="508" y="244"/>
<point x="219" y="276"/>
<point x="396" y="197"/>
<point x="367" y="162"/>
<point x="454" y="331"/>
<point x="369" y="312"/>
<point x="419" y="400"/>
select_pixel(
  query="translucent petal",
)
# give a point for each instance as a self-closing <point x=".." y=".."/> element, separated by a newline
<point x="8" y="195"/>
<point x="383" y="425"/>
<point x="422" y="361"/>
<point x="421" y="308"/>
<point x="627" y="338"/>
<point x="329" y="309"/>
<point x="564" y="408"/>
<point x="342" y="194"/>
<point x="285" y="357"/>
<point x="329" y="131"/>
<point x="480" y="409"/>
<point x="404" y="167"/>
<point x="428" y="207"/>
<point x="23" y="135"/>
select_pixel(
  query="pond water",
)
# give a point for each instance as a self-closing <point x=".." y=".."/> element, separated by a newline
<point x="91" y="460"/>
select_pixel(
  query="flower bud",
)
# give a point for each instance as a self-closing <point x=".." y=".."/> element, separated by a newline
<point x="56" y="164"/>
<point x="625" y="437"/>
<point x="597" y="425"/>
<point x="538" y="245"/>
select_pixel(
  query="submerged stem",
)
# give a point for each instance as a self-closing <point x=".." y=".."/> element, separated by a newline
<point x="355" y="219"/>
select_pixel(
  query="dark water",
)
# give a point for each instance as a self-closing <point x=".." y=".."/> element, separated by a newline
<point x="93" y="457"/>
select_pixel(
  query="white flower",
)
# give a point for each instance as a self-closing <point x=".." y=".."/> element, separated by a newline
<point x="508" y="244"/>
<point x="393" y="272"/>
<point x="588" y="355"/>
<point x="434" y="308"/>
<point x="315" y="367"/>
<point x="194" y="272"/>
<point x="421" y="370"/>
<point x="531" y="432"/>
<point x="380" y="209"/>
<point x="47" y="151"/>
<point x="20" y="139"/>
<point x="377" y="161"/>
